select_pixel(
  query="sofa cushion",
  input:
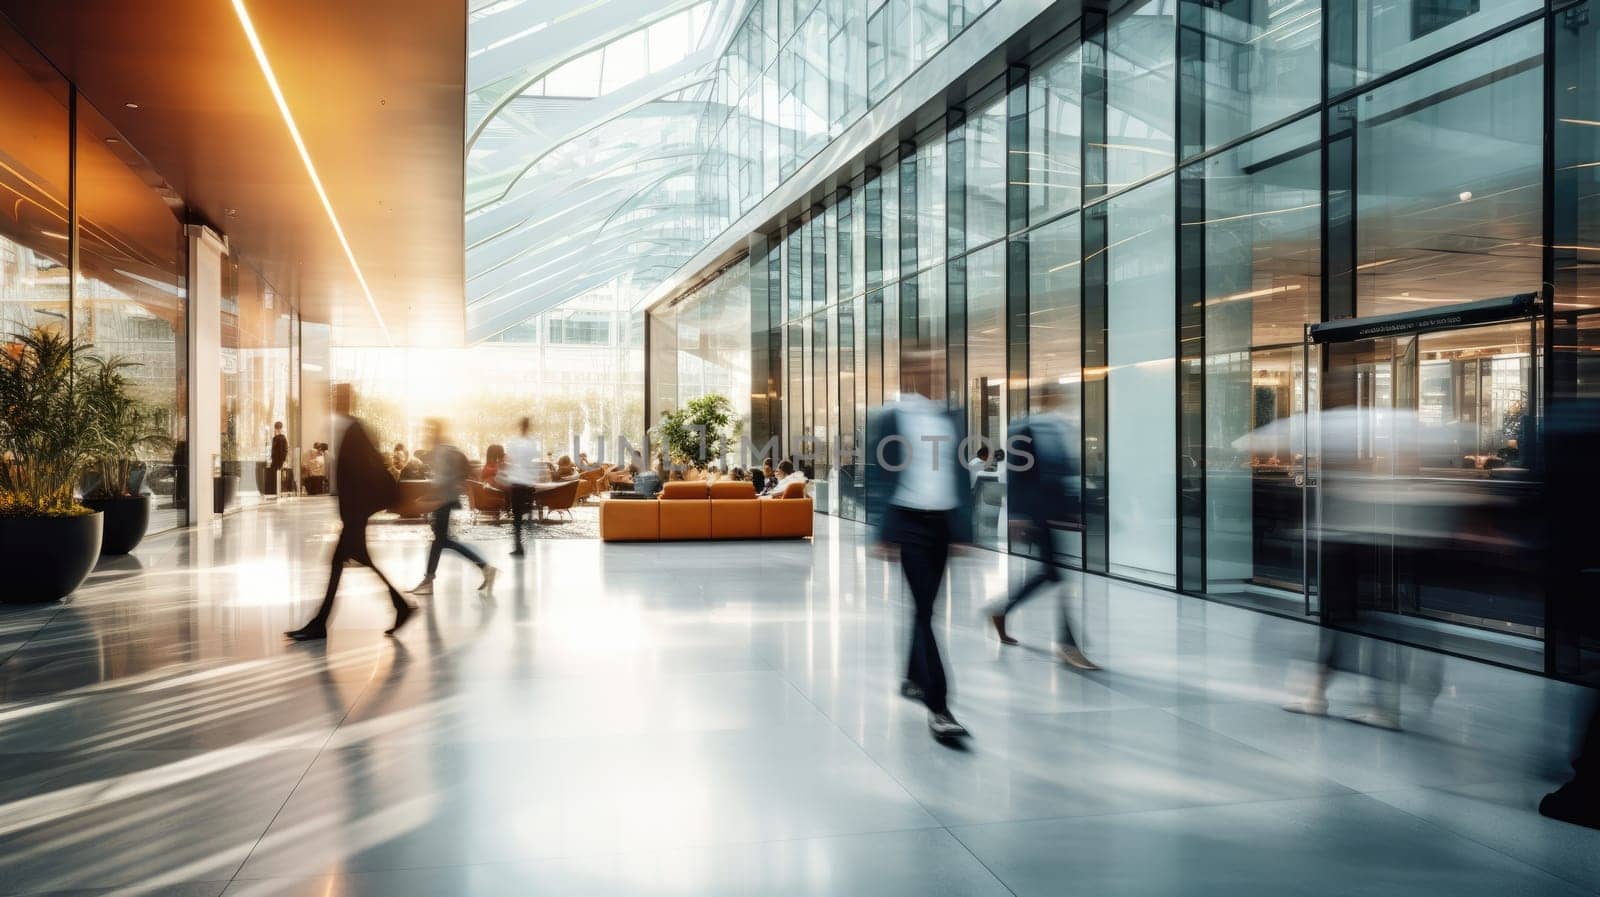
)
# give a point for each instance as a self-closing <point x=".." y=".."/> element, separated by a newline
<point x="630" y="521"/>
<point x="786" y="519"/>
<point x="732" y="489"/>
<point x="685" y="519"/>
<point x="794" y="490"/>
<point x="736" y="518"/>
<point x="682" y="490"/>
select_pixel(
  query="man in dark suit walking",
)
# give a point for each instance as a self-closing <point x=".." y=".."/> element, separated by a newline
<point x="365" y="488"/>
<point x="280" y="454"/>
<point x="1046" y="499"/>
<point x="922" y="502"/>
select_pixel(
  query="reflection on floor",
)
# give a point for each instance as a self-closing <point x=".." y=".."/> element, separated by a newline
<point x="717" y="719"/>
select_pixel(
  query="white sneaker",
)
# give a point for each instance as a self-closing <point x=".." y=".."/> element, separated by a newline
<point x="424" y="588"/>
<point x="1074" y="658"/>
<point x="1308" y="707"/>
<point x="490" y="571"/>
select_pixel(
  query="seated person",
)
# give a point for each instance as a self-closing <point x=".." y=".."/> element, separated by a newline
<point x="647" y="482"/>
<point x="584" y="464"/>
<point x="565" y="470"/>
<point x="398" y="457"/>
<point x="788" y="474"/>
<point x="759" y="478"/>
<point x="493" y="460"/>
<point x="738" y="475"/>
<point x="417" y="467"/>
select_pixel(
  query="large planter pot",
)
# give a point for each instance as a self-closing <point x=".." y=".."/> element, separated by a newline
<point x="46" y="558"/>
<point x="223" y="489"/>
<point x="127" y="520"/>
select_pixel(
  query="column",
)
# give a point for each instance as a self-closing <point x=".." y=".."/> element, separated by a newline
<point x="206" y="250"/>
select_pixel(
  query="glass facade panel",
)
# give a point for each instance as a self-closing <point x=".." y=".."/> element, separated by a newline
<point x="1258" y="63"/>
<point x="1371" y="38"/>
<point x="1055" y="330"/>
<point x="1141" y="427"/>
<point x="985" y="145"/>
<point x="1140" y="62"/>
<point x="1055" y="135"/>
<point x="1259" y="238"/>
<point x="1449" y="192"/>
<point x="931" y="200"/>
<point x="1577" y="158"/>
<point x="986" y="391"/>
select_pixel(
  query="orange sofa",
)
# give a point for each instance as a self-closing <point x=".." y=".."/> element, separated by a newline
<point x="688" y="511"/>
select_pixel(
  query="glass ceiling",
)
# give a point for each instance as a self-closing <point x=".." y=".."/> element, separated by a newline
<point x="584" y="121"/>
<point x="608" y="141"/>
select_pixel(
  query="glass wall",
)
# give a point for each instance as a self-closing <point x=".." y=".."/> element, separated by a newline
<point x="127" y="296"/>
<point x="36" y="173"/>
<point x="1152" y="211"/>
<point x="1256" y="215"/>
<point x="1141" y="422"/>
<point x="258" y="328"/>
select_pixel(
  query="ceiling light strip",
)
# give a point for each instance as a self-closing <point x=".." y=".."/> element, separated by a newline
<point x="305" y="156"/>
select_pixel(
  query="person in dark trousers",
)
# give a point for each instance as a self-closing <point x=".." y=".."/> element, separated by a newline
<point x="449" y="468"/>
<point x="521" y="470"/>
<point x="280" y="454"/>
<point x="365" y="488"/>
<point x="1046" y="499"/>
<point x="921" y="486"/>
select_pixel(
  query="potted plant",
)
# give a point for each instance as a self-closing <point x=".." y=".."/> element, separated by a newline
<point x="225" y="485"/>
<point x="700" y="432"/>
<point x="126" y="428"/>
<point x="48" y="541"/>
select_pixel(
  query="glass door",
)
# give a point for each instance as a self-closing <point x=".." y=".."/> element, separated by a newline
<point x="1424" y="490"/>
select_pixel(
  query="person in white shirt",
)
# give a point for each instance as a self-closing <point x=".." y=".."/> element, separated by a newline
<point x="522" y="469"/>
<point x="788" y="475"/>
<point x="916" y="477"/>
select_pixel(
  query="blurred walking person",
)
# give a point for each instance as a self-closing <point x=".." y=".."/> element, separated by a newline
<point x="922" y="488"/>
<point x="1047" y="500"/>
<point x="450" y="471"/>
<point x="522" y="468"/>
<point x="365" y="488"/>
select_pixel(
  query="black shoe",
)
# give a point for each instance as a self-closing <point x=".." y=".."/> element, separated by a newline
<point x="1569" y="803"/>
<point x="943" y="726"/>
<point x="311" y="632"/>
<point x="401" y="614"/>
<point x="911" y="690"/>
<point x="517" y="552"/>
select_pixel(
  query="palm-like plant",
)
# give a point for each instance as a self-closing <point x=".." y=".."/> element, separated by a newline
<point x="126" y="427"/>
<point x="46" y="429"/>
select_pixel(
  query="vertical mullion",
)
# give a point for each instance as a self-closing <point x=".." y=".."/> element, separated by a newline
<point x="1017" y="285"/>
<point x="1094" y="291"/>
<point x="955" y="292"/>
<point x="1189" y="295"/>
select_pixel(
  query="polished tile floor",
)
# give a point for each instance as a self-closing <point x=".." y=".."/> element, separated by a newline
<point x="721" y="719"/>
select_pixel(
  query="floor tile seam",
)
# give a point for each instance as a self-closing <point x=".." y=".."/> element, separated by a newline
<point x="321" y="749"/>
<point x="33" y="635"/>
<point x="956" y="827"/>
<point x="866" y="754"/>
<point x="1559" y="876"/>
<point x="979" y="860"/>
<point x="601" y="855"/>
<point x="1291" y="761"/>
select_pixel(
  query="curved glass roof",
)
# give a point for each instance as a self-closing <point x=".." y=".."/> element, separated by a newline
<point x="585" y="124"/>
<point x="608" y="141"/>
